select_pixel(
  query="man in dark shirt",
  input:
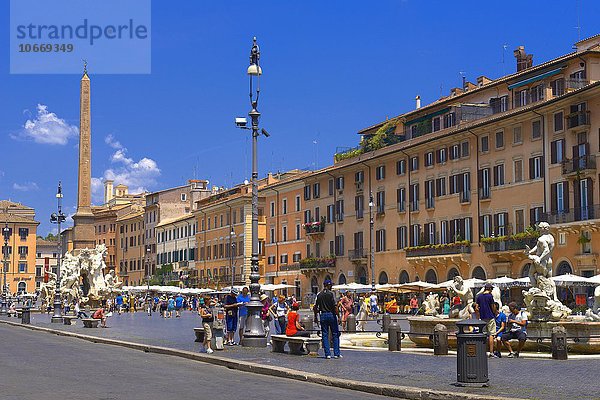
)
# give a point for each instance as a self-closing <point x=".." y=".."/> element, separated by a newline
<point x="326" y="306"/>
<point x="484" y="311"/>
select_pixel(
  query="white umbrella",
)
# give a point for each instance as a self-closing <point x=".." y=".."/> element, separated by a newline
<point x="572" y="280"/>
<point x="269" y="287"/>
<point x="352" y="286"/>
<point x="503" y="282"/>
<point x="595" y="279"/>
<point x="418" y="286"/>
<point x="523" y="282"/>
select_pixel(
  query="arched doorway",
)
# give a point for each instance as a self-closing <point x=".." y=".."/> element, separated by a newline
<point x="478" y="273"/>
<point x="342" y="279"/>
<point x="314" y="285"/>
<point x="564" y="295"/>
<point x="362" y="276"/>
<point x="22" y="287"/>
<point x="525" y="270"/>
<point x="383" y="278"/>
<point x="404" y="278"/>
<point x="452" y="273"/>
<point x="431" y="276"/>
<point x="564" y="268"/>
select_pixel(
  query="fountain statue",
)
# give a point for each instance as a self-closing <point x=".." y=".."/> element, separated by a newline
<point x="541" y="300"/>
<point x="432" y="304"/>
<point x="593" y="314"/>
<point x="463" y="290"/>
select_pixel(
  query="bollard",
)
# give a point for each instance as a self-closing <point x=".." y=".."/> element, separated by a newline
<point x="394" y="337"/>
<point x="440" y="340"/>
<point x="351" y="323"/>
<point x="559" y="343"/>
<point x="471" y="354"/>
<point x="26" y="315"/>
<point x="386" y="319"/>
<point x="307" y="322"/>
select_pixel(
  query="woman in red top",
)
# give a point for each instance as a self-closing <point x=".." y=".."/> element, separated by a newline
<point x="293" y="327"/>
<point x="99" y="314"/>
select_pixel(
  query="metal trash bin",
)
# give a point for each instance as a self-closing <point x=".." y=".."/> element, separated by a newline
<point x="394" y="337"/>
<point x="471" y="354"/>
<point x="386" y="319"/>
<point x="26" y="315"/>
<point x="218" y="327"/>
<point x="440" y="340"/>
<point x="559" y="343"/>
<point x="306" y="321"/>
<point x="351" y="323"/>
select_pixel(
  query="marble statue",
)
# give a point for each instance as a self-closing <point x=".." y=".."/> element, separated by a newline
<point x="47" y="290"/>
<point x="593" y="314"/>
<point x="463" y="290"/>
<point x="69" y="283"/>
<point x="541" y="300"/>
<point x="432" y="304"/>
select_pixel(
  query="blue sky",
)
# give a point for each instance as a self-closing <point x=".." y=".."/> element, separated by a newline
<point x="330" y="69"/>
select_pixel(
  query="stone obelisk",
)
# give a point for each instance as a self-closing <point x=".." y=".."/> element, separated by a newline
<point x="83" y="229"/>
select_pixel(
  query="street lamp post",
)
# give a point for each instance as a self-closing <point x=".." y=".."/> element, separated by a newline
<point x="372" y="244"/>
<point x="148" y="298"/>
<point x="58" y="218"/>
<point x="254" y="333"/>
<point x="231" y="250"/>
<point x="5" y="233"/>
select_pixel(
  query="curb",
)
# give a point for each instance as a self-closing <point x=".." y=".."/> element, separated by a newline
<point x="402" y="392"/>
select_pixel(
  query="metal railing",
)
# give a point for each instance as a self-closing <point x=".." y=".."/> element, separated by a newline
<point x="578" y="164"/>
<point x="437" y="251"/>
<point x="357" y="254"/>
<point x="579" y="118"/>
<point x="509" y="245"/>
<point x="576" y="83"/>
<point x="574" y="215"/>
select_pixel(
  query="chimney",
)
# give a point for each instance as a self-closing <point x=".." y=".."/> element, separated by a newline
<point x="418" y="102"/>
<point x="469" y="86"/>
<point x="108" y="191"/>
<point x="524" y="60"/>
<point x="455" y="91"/>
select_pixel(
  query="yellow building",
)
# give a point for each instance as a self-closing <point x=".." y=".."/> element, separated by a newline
<point x="19" y="255"/>
<point x="130" y="255"/>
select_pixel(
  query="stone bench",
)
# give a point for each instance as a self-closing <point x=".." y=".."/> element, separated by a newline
<point x="90" y="322"/>
<point x="298" y="345"/>
<point x="199" y="332"/>
<point x="69" y="319"/>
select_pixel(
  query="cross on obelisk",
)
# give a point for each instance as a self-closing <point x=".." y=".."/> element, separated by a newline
<point x="83" y="229"/>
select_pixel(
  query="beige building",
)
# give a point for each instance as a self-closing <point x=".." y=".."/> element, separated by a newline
<point x="176" y="246"/>
<point x="131" y="252"/>
<point x="455" y="185"/>
<point x="46" y="259"/>
<point x="20" y="252"/>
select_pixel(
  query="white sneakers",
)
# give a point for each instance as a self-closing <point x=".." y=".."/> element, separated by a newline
<point x="209" y="351"/>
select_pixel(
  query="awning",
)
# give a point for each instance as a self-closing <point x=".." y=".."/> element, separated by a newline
<point x="428" y="116"/>
<point x="535" y="78"/>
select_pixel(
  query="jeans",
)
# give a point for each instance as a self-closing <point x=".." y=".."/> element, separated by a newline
<point x="280" y="325"/>
<point x="81" y="314"/>
<point x="329" y="321"/>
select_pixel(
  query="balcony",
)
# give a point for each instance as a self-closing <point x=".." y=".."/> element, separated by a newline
<point x="357" y="254"/>
<point x="574" y="84"/>
<point x="315" y="228"/>
<point x="315" y="264"/>
<point x="464" y="197"/>
<point x="438" y="249"/>
<point x="493" y="245"/>
<point x="578" y="165"/>
<point x="579" y="119"/>
<point x="574" y="215"/>
<point x="485" y="193"/>
<point x="430" y="203"/>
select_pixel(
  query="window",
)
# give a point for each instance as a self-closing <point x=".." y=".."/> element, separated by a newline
<point x="442" y="156"/>
<point x="464" y="149"/>
<point x="536" y="129"/>
<point x="359" y="177"/>
<point x="501" y="223"/>
<point x="559" y="198"/>
<point x="558" y="87"/>
<point x="499" y="175"/>
<point x="380" y="240"/>
<point x="296" y="257"/>
<point x="536" y="170"/>
<point x="557" y="151"/>
<point x="284" y="233"/>
<point x="339" y="183"/>
<point x="499" y="139"/>
<point x="518" y="170"/>
<point x="316" y="191"/>
<point x="521" y="98"/>
<point x="415" y="231"/>
<point x="485" y="144"/>
<point x="283" y="259"/>
<point x="436" y="124"/>
<point x="307" y="192"/>
<point x="380" y="172"/>
<point x="330" y="184"/>
<point x="307" y="217"/>
<point x="519" y="221"/>
<point x="401" y="237"/>
<point x="400" y="167"/>
<point x="272" y="209"/>
<point x="517" y="136"/>
<point x="401" y="199"/>
<point x="440" y="186"/>
<point x="455" y="152"/>
<point x="183" y="197"/>
<point x="297" y="231"/>
<point x="22" y="267"/>
<point x="414" y="197"/>
<point x="558" y="121"/>
<point x="271" y="260"/>
<point x="484" y="183"/>
<point x="499" y="104"/>
<point x="297" y="206"/>
<point x="23" y="233"/>
<point x="339" y="245"/>
<point x="317" y="214"/>
<point x="272" y="231"/>
<point x="429" y="159"/>
<point x="486" y="225"/>
<point x="562" y="238"/>
<point x="536" y="215"/>
<point x="381" y="202"/>
<point x="414" y="163"/>
<point x="537" y="93"/>
<point x="339" y="210"/>
<point x="330" y="213"/>
<point x="430" y="233"/>
<point x="449" y="120"/>
<point x="443" y="232"/>
<point x="284" y="204"/>
<point x="359" y="205"/>
<point x="429" y="194"/>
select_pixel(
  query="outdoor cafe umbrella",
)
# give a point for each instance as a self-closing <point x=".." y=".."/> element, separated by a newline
<point x="418" y="286"/>
<point x="352" y="287"/>
<point x="503" y="282"/>
<point x="572" y="280"/>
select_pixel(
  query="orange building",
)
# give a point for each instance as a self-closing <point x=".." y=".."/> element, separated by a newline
<point x="131" y="253"/>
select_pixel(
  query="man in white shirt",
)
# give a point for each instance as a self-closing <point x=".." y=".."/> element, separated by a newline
<point x="517" y="325"/>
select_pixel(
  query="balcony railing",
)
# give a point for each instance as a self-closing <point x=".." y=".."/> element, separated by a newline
<point x="576" y="83"/>
<point x="465" y="197"/>
<point x="437" y="250"/>
<point x="574" y="215"/>
<point x="579" y="118"/>
<point x="509" y="245"/>
<point x="317" y="263"/>
<point x="317" y="227"/>
<point x="485" y="193"/>
<point x="577" y="164"/>
<point x="357" y="254"/>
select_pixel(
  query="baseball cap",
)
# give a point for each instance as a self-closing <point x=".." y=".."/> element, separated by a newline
<point x="327" y="282"/>
<point x="235" y="291"/>
<point x="488" y="285"/>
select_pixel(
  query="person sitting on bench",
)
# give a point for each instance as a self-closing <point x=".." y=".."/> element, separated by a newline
<point x="294" y="328"/>
<point x="99" y="314"/>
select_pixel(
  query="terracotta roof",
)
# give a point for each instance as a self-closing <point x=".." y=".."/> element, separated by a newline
<point x="11" y="218"/>
<point x="43" y="242"/>
<point x="174" y="220"/>
<point x="4" y="204"/>
<point x="133" y="214"/>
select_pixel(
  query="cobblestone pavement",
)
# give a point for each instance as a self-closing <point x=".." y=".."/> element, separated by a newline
<point x="525" y="378"/>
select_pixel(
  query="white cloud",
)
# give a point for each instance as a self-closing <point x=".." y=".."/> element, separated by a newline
<point x="46" y="128"/>
<point x="26" y="187"/>
<point x="138" y="175"/>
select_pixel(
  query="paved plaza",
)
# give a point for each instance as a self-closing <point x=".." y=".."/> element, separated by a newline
<point x="520" y="378"/>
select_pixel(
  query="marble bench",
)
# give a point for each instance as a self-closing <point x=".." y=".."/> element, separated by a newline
<point x="199" y="332"/>
<point x="298" y="345"/>
<point x="90" y="322"/>
<point x="69" y="319"/>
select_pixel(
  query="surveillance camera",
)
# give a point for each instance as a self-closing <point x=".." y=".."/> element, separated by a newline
<point x="241" y="122"/>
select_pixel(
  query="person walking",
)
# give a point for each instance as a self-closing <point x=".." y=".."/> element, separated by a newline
<point x="205" y="312"/>
<point x="231" y="306"/>
<point x="119" y="303"/>
<point x="346" y="305"/>
<point x="266" y="315"/>
<point x="170" y="307"/>
<point x="484" y="311"/>
<point x="243" y="299"/>
<point x="178" y="305"/>
<point x="326" y="307"/>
